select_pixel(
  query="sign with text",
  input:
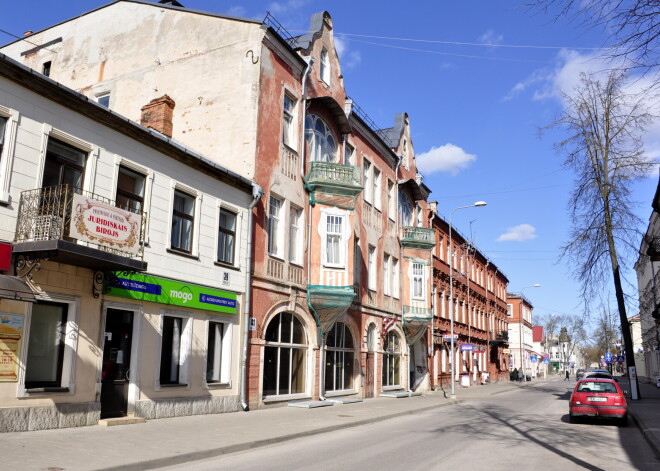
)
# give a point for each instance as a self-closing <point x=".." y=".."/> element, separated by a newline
<point x="11" y="331"/>
<point x="104" y="224"/>
<point x="161" y="290"/>
<point x="447" y="337"/>
<point x="467" y="347"/>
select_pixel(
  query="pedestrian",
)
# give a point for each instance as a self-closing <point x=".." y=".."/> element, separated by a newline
<point x="568" y="375"/>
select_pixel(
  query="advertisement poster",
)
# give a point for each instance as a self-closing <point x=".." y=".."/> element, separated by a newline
<point x="11" y="331"/>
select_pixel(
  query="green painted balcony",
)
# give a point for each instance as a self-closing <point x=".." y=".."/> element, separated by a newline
<point x="325" y="180"/>
<point x="417" y="237"/>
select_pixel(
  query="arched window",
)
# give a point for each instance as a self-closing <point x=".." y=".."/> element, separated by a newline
<point x="405" y="209"/>
<point x="339" y="358"/>
<point x="391" y="360"/>
<point x="284" y="356"/>
<point x="321" y="142"/>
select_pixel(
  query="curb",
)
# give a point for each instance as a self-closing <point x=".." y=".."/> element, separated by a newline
<point x="214" y="452"/>
<point x="646" y="433"/>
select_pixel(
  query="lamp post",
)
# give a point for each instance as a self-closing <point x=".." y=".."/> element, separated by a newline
<point x="564" y="340"/>
<point x="520" y="329"/>
<point x="452" y="355"/>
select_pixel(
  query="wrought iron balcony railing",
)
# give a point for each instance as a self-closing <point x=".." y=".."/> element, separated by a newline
<point x="418" y="237"/>
<point x="46" y="214"/>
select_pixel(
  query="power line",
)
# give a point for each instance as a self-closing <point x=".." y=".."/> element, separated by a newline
<point x="26" y="40"/>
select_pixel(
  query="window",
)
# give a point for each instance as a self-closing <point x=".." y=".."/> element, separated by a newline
<point x="183" y="216"/>
<point x="340" y="357"/>
<point x="3" y="133"/>
<point x="130" y="190"/>
<point x="371" y="264"/>
<point x="386" y="275"/>
<point x="173" y="353"/>
<point x="226" y="237"/>
<point x="391" y="360"/>
<point x="395" y="278"/>
<point x="349" y="155"/>
<point x="295" y="239"/>
<point x="334" y="241"/>
<point x="288" y="123"/>
<point x="440" y="249"/>
<point x="391" y="208"/>
<point x="46" y="346"/>
<point x="321" y="142"/>
<point x="405" y="209"/>
<point x="418" y="291"/>
<point x="275" y="246"/>
<point x="65" y="165"/>
<point x="325" y="66"/>
<point x="45" y="69"/>
<point x="103" y="99"/>
<point x="509" y="310"/>
<point x="357" y="261"/>
<point x="284" y="356"/>
<point x="217" y="353"/>
<point x="368" y="184"/>
<point x="377" y="189"/>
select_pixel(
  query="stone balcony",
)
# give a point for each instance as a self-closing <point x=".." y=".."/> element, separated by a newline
<point x="417" y="237"/>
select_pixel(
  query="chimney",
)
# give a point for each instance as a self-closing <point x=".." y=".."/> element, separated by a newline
<point x="157" y="114"/>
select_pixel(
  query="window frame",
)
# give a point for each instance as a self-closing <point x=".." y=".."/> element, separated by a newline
<point x="185" y="346"/>
<point x="7" y="151"/>
<point x="391" y="200"/>
<point x="318" y="142"/>
<point x="378" y="189"/>
<point x="128" y="194"/>
<point x="189" y="217"/>
<point x="368" y="191"/>
<point x="227" y="232"/>
<point x="103" y="99"/>
<point x="289" y="120"/>
<point x="275" y="237"/>
<point x="324" y="68"/>
<point x="225" y="359"/>
<point x="387" y="275"/>
<point x="395" y="278"/>
<point x="279" y="345"/>
<point x="372" y="268"/>
<point x="296" y="243"/>
<point x="418" y="278"/>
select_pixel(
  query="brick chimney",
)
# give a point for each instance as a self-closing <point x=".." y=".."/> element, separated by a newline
<point x="157" y="114"/>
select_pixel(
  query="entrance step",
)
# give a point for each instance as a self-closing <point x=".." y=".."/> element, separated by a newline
<point x="344" y="400"/>
<point x="400" y="394"/>
<point x="310" y="404"/>
<point x="121" y="421"/>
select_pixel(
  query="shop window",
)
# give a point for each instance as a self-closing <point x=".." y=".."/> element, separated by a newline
<point x="46" y="346"/>
<point x="340" y="356"/>
<point x="320" y="140"/>
<point x="173" y="353"/>
<point x="218" y="353"/>
<point x="285" y="355"/>
<point x="65" y="165"/>
<point x="183" y="217"/>
<point x="130" y="190"/>
<point x="226" y="237"/>
<point x="391" y="360"/>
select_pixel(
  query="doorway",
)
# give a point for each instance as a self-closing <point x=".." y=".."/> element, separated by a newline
<point x="115" y="373"/>
<point x="369" y="389"/>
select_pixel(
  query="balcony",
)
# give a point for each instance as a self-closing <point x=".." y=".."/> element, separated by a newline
<point x="333" y="184"/>
<point x="417" y="237"/>
<point x="79" y="228"/>
<point x="329" y="303"/>
<point x="416" y="321"/>
<point x="501" y="338"/>
<point x="653" y="250"/>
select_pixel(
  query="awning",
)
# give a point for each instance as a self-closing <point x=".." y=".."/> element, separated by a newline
<point x="329" y="303"/>
<point x="416" y="321"/>
<point x="12" y="287"/>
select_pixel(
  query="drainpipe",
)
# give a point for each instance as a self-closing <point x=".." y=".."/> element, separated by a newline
<point x="257" y="193"/>
<point x="309" y="61"/>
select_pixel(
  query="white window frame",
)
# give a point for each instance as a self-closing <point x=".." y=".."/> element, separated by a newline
<point x="276" y="235"/>
<point x="349" y="154"/>
<point x="386" y="275"/>
<point x="344" y="236"/>
<point x="185" y="348"/>
<point x="289" y="121"/>
<point x="197" y="201"/>
<point x="295" y="252"/>
<point x="377" y="178"/>
<point x="102" y="96"/>
<point x="368" y="181"/>
<point x="237" y="234"/>
<point x="225" y="352"/>
<point x="391" y="200"/>
<point x="324" y="69"/>
<point x="417" y="275"/>
<point x="7" y="153"/>
<point x="70" y="346"/>
<point x="395" y="278"/>
<point x="372" y="270"/>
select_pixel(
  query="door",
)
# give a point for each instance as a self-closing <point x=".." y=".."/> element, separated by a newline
<point x="371" y="363"/>
<point x="115" y="377"/>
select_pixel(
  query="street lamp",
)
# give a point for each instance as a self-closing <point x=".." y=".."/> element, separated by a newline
<point x="452" y="355"/>
<point x="564" y="340"/>
<point x="520" y="328"/>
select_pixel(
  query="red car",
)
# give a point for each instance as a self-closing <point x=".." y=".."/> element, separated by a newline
<point x="598" y="397"/>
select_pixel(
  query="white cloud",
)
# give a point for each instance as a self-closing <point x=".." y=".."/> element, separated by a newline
<point x="348" y="58"/>
<point x="490" y="37"/>
<point x="519" y="233"/>
<point x="448" y="158"/>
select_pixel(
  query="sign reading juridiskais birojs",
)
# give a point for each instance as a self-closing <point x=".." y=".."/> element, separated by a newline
<point x="104" y="224"/>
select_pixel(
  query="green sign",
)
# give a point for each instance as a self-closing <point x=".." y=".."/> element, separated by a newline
<point x="177" y="293"/>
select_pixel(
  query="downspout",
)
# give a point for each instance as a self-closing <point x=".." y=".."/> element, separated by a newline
<point x="257" y="193"/>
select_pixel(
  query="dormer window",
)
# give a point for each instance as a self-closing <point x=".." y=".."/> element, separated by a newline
<point x="325" y="66"/>
<point x="321" y="142"/>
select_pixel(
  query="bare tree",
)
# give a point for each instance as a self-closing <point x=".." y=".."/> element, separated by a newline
<point x="634" y="25"/>
<point x="604" y="149"/>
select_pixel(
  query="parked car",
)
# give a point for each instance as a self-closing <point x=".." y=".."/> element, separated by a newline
<point x="603" y="374"/>
<point x="579" y="374"/>
<point x="598" y="397"/>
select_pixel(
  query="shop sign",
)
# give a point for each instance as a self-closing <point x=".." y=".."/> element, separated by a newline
<point x="161" y="290"/>
<point x="506" y="350"/>
<point x="104" y="224"/>
<point x="447" y="337"/>
<point x="467" y="347"/>
<point x="11" y="331"/>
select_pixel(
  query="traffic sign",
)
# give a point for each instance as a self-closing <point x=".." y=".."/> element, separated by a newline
<point x="620" y="359"/>
<point x="533" y="358"/>
<point x="546" y="360"/>
<point x="608" y="356"/>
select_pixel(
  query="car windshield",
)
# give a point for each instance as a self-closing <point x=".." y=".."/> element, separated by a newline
<point x="596" y="386"/>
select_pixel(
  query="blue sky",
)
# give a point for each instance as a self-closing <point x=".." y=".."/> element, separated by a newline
<point x="477" y="79"/>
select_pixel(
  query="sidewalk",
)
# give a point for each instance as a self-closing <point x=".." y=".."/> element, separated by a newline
<point x="167" y="442"/>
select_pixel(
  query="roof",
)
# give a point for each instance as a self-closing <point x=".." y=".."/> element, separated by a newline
<point x="392" y="135"/>
<point x="315" y="28"/>
<point x="64" y="96"/>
